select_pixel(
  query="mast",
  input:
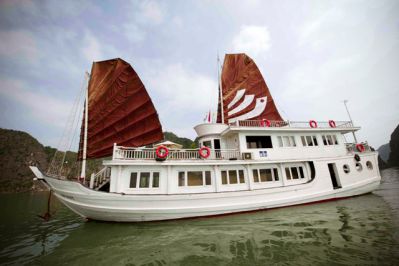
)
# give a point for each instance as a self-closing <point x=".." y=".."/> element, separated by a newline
<point x="220" y="90"/>
<point x="83" y="171"/>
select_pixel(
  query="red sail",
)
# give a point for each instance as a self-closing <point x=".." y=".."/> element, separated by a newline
<point x="244" y="91"/>
<point x="119" y="110"/>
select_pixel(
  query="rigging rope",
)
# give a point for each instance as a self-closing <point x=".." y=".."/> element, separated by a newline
<point x="56" y="164"/>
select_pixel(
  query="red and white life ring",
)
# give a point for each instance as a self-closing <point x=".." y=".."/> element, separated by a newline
<point x="332" y="123"/>
<point x="265" y="123"/>
<point x="206" y="154"/>
<point x="312" y="123"/>
<point x="162" y="152"/>
<point x="360" y="147"/>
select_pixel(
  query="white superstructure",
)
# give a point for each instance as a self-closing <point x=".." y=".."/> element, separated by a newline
<point x="251" y="166"/>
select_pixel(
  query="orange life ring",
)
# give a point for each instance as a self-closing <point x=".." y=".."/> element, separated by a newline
<point x="162" y="152"/>
<point x="332" y="123"/>
<point x="360" y="147"/>
<point x="265" y="123"/>
<point x="204" y="155"/>
<point x="313" y="123"/>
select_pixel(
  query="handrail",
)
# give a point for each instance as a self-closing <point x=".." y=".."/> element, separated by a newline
<point x="290" y="124"/>
<point x="127" y="153"/>
<point x="351" y="147"/>
<point x="100" y="178"/>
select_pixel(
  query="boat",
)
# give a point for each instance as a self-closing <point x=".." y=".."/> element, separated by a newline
<point x="248" y="159"/>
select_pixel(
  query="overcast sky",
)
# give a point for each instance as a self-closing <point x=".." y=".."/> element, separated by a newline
<point x="312" y="54"/>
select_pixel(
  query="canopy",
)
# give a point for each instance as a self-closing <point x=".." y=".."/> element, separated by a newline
<point x="119" y="110"/>
<point x="244" y="91"/>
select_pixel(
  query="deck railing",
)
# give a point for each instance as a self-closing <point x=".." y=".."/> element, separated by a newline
<point x="125" y="153"/>
<point x="351" y="147"/>
<point x="290" y="124"/>
<point x="100" y="178"/>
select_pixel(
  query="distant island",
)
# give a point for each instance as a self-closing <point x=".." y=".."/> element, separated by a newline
<point x="19" y="150"/>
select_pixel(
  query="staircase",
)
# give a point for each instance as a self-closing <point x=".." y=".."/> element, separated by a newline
<point x="101" y="179"/>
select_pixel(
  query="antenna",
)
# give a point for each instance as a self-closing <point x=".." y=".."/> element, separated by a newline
<point x="350" y="118"/>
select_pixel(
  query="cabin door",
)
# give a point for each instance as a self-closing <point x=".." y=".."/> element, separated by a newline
<point x="217" y="147"/>
<point x="332" y="168"/>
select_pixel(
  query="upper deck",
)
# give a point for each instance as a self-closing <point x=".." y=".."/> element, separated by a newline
<point x="288" y="140"/>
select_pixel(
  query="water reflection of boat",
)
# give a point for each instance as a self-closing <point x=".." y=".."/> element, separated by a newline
<point x="250" y="159"/>
<point x="354" y="231"/>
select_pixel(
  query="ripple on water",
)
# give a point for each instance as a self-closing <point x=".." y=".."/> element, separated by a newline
<point x="359" y="231"/>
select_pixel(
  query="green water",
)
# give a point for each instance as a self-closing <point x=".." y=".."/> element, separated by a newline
<point x="358" y="231"/>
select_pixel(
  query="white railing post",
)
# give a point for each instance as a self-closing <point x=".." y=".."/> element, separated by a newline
<point x="113" y="152"/>
<point x="92" y="180"/>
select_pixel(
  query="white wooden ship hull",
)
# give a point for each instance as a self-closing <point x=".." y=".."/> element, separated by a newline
<point x="118" y="207"/>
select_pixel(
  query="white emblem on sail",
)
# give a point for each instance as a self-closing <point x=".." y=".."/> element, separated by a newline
<point x="260" y="106"/>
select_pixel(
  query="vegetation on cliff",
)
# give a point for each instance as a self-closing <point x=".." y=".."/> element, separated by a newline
<point x="19" y="150"/>
<point x="187" y="143"/>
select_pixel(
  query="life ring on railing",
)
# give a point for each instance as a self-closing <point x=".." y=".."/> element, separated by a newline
<point x="206" y="154"/>
<point x="312" y="123"/>
<point x="360" y="147"/>
<point x="265" y="123"/>
<point x="162" y="152"/>
<point x="332" y="123"/>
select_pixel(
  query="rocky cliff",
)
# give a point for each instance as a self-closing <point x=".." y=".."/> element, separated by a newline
<point x="18" y="150"/>
<point x="394" y="146"/>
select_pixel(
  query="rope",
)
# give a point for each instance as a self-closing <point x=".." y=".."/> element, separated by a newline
<point x="54" y="169"/>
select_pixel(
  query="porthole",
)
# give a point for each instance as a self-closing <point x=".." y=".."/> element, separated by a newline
<point x="359" y="166"/>
<point x="346" y="169"/>
<point x="369" y="165"/>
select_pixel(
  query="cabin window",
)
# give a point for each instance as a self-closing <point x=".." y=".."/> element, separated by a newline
<point x="232" y="177"/>
<point x="301" y="172"/>
<point x="329" y="140"/>
<point x="155" y="179"/>
<point x="241" y="176"/>
<point x="194" y="178"/>
<point x="286" y="141"/>
<point x="259" y="142"/>
<point x="265" y="175"/>
<point x="369" y="165"/>
<point x="309" y="141"/>
<point x="144" y="179"/>
<point x="288" y="173"/>
<point x="224" y="177"/>
<point x="275" y="171"/>
<point x="133" y="180"/>
<point x="256" y="176"/>
<point x="181" y="179"/>
<point x="208" y="178"/>
<point x="294" y="172"/>
<point x="207" y="143"/>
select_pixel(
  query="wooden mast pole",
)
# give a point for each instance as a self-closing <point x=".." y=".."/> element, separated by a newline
<point x="220" y="90"/>
<point x="84" y="155"/>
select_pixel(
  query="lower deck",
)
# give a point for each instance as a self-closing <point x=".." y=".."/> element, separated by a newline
<point x="161" y="178"/>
